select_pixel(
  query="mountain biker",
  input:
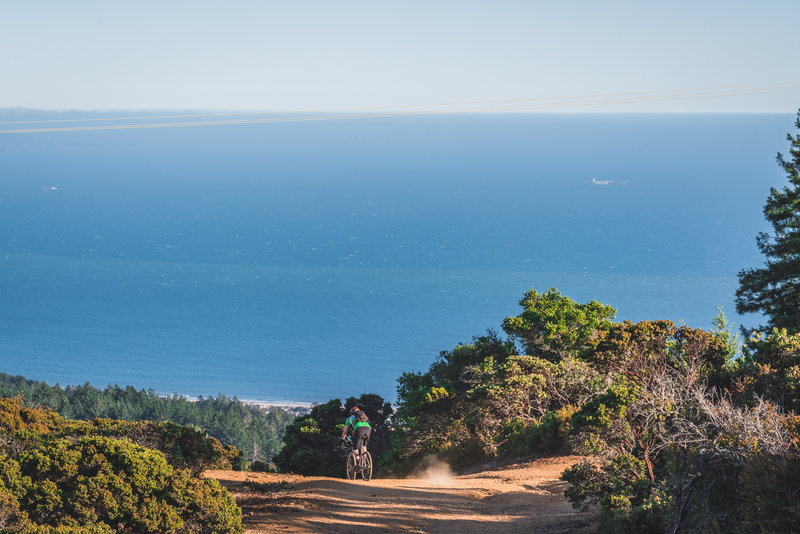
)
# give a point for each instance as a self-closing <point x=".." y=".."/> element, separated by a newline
<point x="358" y="421"/>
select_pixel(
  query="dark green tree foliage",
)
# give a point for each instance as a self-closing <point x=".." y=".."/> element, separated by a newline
<point x="254" y="431"/>
<point x="64" y="476"/>
<point x="446" y="374"/>
<point x="679" y="438"/>
<point x="774" y="289"/>
<point x="432" y="416"/>
<point x="381" y="415"/>
<point x="313" y="443"/>
<point x="483" y="399"/>
<point x="553" y="327"/>
<point x="641" y="351"/>
<point x="770" y="368"/>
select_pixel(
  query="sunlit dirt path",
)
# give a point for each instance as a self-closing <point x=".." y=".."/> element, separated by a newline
<point x="524" y="497"/>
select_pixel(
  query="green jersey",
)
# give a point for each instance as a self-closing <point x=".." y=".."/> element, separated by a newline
<point x="355" y="423"/>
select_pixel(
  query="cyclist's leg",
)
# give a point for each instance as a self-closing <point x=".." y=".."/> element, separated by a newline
<point x="355" y="441"/>
<point x="360" y="438"/>
<point x="365" y="438"/>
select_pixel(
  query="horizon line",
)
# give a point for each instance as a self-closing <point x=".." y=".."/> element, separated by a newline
<point x="554" y="105"/>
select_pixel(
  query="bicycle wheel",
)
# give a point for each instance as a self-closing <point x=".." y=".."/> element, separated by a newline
<point x="351" y="467"/>
<point x="366" y="466"/>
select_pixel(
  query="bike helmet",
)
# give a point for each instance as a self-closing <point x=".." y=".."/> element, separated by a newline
<point x="354" y="410"/>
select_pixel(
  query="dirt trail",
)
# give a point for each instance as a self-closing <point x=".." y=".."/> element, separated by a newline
<point x="525" y="497"/>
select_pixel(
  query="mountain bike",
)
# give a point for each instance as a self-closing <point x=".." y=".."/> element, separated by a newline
<point x="365" y="468"/>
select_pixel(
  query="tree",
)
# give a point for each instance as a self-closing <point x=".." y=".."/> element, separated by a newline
<point x="770" y="368"/>
<point x="553" y="327"/>
<point x="251" y="429"/>
<point x="721" y="329"/>
<point x="313" y="443"/>
<point x="774" y="289"/>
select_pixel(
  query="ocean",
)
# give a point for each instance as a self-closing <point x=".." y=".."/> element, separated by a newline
<point x="315" y="260"/>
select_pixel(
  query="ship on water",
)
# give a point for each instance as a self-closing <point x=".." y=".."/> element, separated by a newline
<point x="595" y="181"/>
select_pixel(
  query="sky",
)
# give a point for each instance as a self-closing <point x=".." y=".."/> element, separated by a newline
<point x="329" y="56"/>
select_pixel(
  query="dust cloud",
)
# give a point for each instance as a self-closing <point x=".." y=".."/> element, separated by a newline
<point x="436" y="472"/>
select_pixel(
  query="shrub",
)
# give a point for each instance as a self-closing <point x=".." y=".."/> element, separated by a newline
<point x="60" y="476"/>
<point x="261" y="467"/>
<point x="769" y="497"/>
<point x="520" y="438"/>
<point x="313" y="443"/>
<point x="114" y="485"/>
<point x="184" y="447"/>
<point x="251" y="429"/>
<point x="629" y="501"/>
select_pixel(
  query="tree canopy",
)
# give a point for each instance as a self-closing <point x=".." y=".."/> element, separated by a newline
<point x="553" y="327"/>
<point x="251" y="429"/>
<point x="774" y="289"/>
<point x="684" y="437"/>
<point x="313" y="443"/>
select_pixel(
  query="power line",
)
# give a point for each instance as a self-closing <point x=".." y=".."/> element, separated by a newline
<point x="538" y="105"/>
<point x="664" y="92"/>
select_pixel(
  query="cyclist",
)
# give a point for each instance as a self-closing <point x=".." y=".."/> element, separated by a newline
<point x="359" y="422"/>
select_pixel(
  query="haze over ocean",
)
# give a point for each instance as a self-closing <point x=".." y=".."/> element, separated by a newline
<point x="306" y="261"/>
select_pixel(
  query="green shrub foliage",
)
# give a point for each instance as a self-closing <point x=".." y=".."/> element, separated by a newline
<point x="484" y="399"/>
<point x="313" y="443"/>
<point x="252" y="430"/>
<point x="770" y="367"/>
<point x="679" y="436"/>
<point x="58" y="475"/>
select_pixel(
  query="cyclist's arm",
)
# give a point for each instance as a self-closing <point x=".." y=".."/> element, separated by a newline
<point x="346" y="426"/>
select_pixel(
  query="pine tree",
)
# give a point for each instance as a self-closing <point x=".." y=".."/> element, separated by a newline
<point x="774" y="289"/>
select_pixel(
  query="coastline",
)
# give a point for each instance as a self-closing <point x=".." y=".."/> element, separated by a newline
<point x="295" y="407"/>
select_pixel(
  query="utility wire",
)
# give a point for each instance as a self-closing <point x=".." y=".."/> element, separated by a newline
<point x="543" y="104"/>
<point x="665" y="92"/>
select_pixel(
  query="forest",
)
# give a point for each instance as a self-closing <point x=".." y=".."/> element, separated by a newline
<point x="251" y="429"/>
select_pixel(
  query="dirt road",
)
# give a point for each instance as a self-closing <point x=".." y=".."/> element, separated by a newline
<point x="525" y="497"/>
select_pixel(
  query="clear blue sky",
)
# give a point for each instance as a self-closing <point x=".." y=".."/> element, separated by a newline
<point x="308" y="54"/>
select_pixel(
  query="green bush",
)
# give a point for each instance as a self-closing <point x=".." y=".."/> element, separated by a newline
<point x="97" y="484"/>
<point x="184" y="447"/>
<point x="251" y="429"/>
<point x="520" y="438"/>
<point x="629" y="502"/>
<point x="313" y="443"/>
<point x="769" y="495"/>
<point x="65" y="476"/>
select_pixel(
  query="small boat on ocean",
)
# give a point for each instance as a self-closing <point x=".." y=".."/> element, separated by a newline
<point x="595" y="181"/>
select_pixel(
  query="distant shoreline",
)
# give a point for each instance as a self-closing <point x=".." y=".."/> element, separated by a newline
<point x="266" y="404"/>
<point x="288" y="405"/>
<point x="279" y="404"/>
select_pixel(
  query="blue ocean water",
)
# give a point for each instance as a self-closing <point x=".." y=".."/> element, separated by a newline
<point x="312" y="260"/>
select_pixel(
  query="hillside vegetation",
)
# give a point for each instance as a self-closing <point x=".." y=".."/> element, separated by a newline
<point x="683" y="429"/>
<point x="103" y="476"/>
<point x="251" y="429"/>
<point x="683" y="435"/>
<point x="313" y="442"/>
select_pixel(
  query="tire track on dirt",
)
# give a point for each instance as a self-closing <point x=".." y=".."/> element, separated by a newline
<point x="523" y="497"/>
